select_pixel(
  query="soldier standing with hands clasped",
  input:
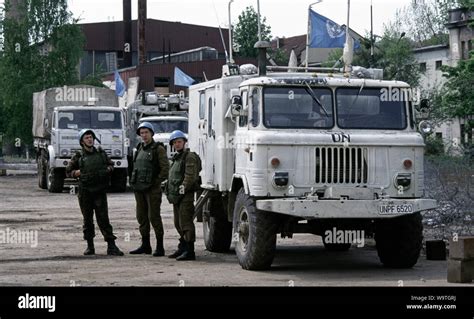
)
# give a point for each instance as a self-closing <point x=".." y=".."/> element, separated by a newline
<point x="150" y="169"/>
<point x="93" y="167"/>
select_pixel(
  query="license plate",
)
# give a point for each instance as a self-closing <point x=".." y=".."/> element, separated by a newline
<point x="395" y="209"/>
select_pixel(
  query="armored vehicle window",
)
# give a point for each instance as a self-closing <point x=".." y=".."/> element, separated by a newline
<point x="370" y="109"/>
<point x="255" y="108"/>
<point x="297" y="107"/>
<point x="202" y="105"/>
<point x="167" y="126"/>
<point x="243" y="120"/>
<point x="209" y="119"/>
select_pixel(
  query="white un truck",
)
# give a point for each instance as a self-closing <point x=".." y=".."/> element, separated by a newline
<point x="58" y="116"/>
<point x="327" y="154"/>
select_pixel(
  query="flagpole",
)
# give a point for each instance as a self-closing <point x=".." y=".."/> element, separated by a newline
<point x="308" y="32"/>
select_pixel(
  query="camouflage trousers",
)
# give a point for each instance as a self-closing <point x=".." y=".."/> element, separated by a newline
<point x="148" y="212"/>
<point x="90" y="202"/>
<point x="183" y="218"/>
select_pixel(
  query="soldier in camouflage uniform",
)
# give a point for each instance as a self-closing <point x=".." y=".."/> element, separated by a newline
<point x="150" y="169"/>
<point x="93" y="167"/>
<point x="183" y="181"/>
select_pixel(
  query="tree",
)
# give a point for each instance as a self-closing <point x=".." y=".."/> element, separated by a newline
<point x="246" y="32"/>
<point x="424" y="21"/>
<point x="43" y="45"/>
<point x="458" y="95"/>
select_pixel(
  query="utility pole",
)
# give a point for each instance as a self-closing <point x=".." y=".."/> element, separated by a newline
<point x="231" y="60"/>
<point x="127" y="35"/>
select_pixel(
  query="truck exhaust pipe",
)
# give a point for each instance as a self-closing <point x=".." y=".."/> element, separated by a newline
<point x="262" y="47"/>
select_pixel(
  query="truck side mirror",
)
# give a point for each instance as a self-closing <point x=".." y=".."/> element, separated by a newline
<point x="46" y="123"/>
<point x="236" y="105"/>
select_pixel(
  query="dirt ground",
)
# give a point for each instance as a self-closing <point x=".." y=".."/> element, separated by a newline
<point x="57" y="258"/>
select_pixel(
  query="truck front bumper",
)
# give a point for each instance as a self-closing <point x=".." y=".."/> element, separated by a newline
<point x="309" y="208"/>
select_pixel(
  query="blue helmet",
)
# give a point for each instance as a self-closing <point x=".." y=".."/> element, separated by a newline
<point x="84" y="132"/>
<point x="177" y="134"/>
<point x="147" y="125"/>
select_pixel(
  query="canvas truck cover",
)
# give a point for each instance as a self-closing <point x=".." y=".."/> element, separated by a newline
<point x="77" y="95"/>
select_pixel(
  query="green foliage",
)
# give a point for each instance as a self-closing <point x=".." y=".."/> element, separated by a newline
<point x="424" y="21"/>
<point x="392" y="53"/>
<point x="334" y="56"/>
<point x="246" y="32"/>
<point x="459" y="94"/>
<point x="43" y="45"/>
<point x="279" y="56"/>
<point x="434" y="146"/>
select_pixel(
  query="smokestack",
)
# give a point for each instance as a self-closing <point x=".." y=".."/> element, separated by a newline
<point x="262" y="47"/>
<point x="141" y="31"/>
<point x="127" y="33"/>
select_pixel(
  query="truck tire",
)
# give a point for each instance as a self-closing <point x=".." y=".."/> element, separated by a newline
<point x="254" y="233"/>
<point x="42" y="171"/>
<point x="55" y="179"/>
<point x="217" y="229"/>
<point x="399" y="240"/>
<point x="118" y="182"/>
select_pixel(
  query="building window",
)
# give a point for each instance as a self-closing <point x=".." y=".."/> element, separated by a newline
<point x="423" y="67"/>
<point x="439" y="63"/>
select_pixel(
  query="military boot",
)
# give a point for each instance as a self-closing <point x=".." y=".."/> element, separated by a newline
<point x="188" y="253"/>
<point x="160" y="250"/>
<point x="90" y="248"/>
<point x="180" y="249"/>
<point x="112" y="249"/>
<point x="145" y="247"/>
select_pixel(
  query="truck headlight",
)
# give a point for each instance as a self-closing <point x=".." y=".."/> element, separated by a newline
<point x="64" y="152"/>
<point x="117" y="152"/>
<point x="403" y="180"/>
<point x="280" y="179"/>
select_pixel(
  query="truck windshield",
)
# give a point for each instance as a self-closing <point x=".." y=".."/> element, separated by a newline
<point x="297" y="107"/>
<point x="170" y="126"/>
<point x="369" y="108"/>
<point x="93" y="119"/>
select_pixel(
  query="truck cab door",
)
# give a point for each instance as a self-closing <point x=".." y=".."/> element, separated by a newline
<point x="241" y="157"/>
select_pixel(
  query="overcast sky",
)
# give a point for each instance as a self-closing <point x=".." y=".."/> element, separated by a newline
<point x="286" y="17"/>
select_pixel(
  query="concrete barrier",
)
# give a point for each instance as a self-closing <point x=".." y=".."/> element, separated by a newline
<point x="461" y="260"/>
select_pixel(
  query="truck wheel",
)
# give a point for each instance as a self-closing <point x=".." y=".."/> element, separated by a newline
<point x="255" y="233"/>
<point x="42" y="172"/>
<point x="55" y="180"/>
<point x="399" y="240"/>
<point x="118" y="181"/>
<point x="217" y="229"/>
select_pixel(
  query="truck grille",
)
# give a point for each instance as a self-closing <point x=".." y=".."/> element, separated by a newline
<point x="341" y="165"/>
